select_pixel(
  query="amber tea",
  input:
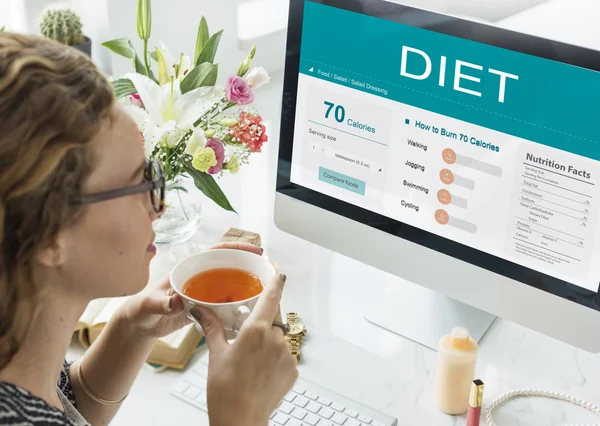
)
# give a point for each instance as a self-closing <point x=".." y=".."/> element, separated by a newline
<point x="222" y="285"/>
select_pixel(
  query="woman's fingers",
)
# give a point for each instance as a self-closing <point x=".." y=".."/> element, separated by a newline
<point x="268" y="304"/>
<point x="237" y="245"/>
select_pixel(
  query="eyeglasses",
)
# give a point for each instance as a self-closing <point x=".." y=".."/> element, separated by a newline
<point x="154" y="183"/>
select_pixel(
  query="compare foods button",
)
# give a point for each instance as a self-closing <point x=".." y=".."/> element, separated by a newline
<point x="341" y="181"/>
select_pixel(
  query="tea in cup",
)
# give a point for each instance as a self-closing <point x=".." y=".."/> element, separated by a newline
<point x="229" y="282"/>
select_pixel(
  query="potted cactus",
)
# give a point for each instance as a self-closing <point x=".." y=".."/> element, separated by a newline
<point x="64" y="26"/>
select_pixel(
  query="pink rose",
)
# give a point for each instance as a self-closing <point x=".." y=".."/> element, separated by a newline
<point x="239" y="91"/>
<point x="136" y="100"/>
<point x="216" y="145"/>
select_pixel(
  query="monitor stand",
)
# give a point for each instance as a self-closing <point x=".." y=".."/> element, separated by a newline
<point x="425" y="316"/>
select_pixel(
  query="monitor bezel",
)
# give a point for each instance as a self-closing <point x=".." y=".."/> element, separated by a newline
<point x="453" y="26"/>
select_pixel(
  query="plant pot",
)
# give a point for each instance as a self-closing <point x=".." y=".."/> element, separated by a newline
<point x="85" y="47"/>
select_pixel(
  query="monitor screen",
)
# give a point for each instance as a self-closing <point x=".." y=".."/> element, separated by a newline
<point x="475" y="141"/>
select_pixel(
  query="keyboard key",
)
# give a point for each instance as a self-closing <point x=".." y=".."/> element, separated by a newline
<point x="273" y="414"/>
<point x="339" y="419"/>
<point x="338" y="407"/>
<point x="311" y="395"/>
<point x="311" y="419"/>
<point x="326" y="423"/>
<point x="326" y="413"/>
<point x="290" y="397"/>
<point x="294" y="422"/>
<point x="299" y="391"/>
<point x="201" y="369"/>
<point x="201" y="398"/>
<point x="352" y="422"/>
<point x="324" y="401"/>
<point x="181" y="387"/>
<point x="281" y="419"/>
<point x="376" y="423"/>
<point x="286" y="407"/>
<point x="366" y="420"/>
<point x="300" y="401"/>
<point x="351" y="413"/>
<point x="191" y="392"/>
<point x="299" y="413"/>
<point x="313" y="407"/>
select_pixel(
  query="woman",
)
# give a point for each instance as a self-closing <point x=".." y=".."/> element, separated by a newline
<point x="76" y="212"/>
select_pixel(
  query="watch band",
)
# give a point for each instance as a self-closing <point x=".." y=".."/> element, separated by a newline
<point x="294" y="342"/>
<point x="294" y="346"/>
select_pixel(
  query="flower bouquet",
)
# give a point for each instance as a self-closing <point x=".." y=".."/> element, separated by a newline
<point x="193" y="126"/>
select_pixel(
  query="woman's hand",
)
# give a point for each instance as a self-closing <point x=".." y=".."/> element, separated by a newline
<point x="248" y="378"/>
<point x="157" y="311"/>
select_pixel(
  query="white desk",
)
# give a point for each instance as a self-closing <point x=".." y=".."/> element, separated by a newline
<point x="347" y="354"/>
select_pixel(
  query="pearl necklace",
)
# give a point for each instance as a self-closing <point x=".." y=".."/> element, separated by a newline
<point x="536" y="392"/>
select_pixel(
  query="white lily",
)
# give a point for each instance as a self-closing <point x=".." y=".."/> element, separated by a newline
<point x="183" y="66"/>
<point x="197" y="140"/>
<point x="173" y="69"/>
<point x="167" y="109"/>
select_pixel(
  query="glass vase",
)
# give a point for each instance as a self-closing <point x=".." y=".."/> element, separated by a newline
<point x="182" y="215"/>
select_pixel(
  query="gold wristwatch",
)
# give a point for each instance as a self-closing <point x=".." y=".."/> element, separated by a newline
<point x="296" y="334"/>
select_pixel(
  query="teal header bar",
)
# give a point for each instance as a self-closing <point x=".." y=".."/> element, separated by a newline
<point x="544" y="101"/>
<point x="342" y="181"/>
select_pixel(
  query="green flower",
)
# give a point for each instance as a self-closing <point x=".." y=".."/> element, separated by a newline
<point x="228" y="122"/>
<point x="144" y="19"/>
<point x="245" y="65"/>
<point x="204" y="159"/>
<point x="232" y="165"/>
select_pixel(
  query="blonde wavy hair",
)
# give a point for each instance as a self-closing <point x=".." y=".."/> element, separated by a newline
<point x="53" y="101"/>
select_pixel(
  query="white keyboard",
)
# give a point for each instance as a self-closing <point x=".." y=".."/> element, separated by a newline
<point x="307" y="404"/>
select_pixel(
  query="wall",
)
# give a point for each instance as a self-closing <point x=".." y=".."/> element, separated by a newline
<point x="488" y="10"/>
<point x="176" y="22"/>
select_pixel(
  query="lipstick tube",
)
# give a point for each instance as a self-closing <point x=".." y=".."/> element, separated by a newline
<point x="475" y="403"/>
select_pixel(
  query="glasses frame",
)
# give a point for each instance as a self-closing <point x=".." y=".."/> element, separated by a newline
<point x="148" y="186"/>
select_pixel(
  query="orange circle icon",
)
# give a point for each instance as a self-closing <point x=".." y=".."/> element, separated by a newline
<point x="441" y="216"/>
<point x="449" y="156"/>
<point x="447" y="176"/>
<point x="444" y="196"/>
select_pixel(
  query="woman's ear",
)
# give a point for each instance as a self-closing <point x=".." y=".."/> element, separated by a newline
<point x="53" y="254"/>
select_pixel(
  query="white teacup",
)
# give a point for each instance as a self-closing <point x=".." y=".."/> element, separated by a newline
<point x="232" y="314"/>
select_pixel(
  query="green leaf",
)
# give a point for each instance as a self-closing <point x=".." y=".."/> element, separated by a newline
<point x="209" y="51"/>
<point x="203" y="75"/>
<point x="124" y="47"/>
<point x="209" y="187"/>
<point x="121" y="46"/>
<point x="139" y="66"/>
<point x="154" y="55"/>
<point x="177" y="188"/>
<point x="201" y="39"/>
<point x="123" y="87"/>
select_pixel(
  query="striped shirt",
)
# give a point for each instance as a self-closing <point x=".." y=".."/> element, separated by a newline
<point x="19" y="407"/>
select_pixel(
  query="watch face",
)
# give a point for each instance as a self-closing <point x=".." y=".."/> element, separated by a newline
<point x="296" y="329"/>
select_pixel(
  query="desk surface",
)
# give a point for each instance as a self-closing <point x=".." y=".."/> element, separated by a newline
<point x="347" y="354"/>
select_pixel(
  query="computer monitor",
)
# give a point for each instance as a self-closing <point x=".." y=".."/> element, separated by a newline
<point x="458" y="156"/>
